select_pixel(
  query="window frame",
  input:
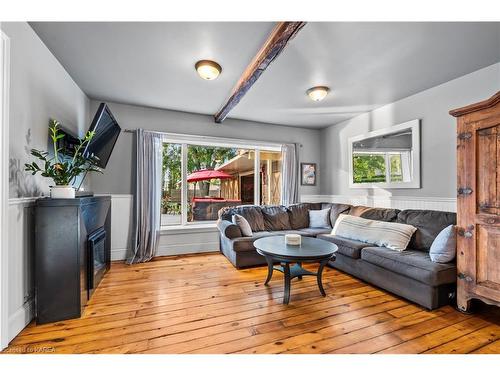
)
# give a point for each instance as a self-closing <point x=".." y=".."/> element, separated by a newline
<point x="185" y="141"/>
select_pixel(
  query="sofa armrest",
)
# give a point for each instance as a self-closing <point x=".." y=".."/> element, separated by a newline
<point x="229" y="229"/>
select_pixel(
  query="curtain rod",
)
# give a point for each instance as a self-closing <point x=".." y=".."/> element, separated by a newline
<point x="190" y="135"/>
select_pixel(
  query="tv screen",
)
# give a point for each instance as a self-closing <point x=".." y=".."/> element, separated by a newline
<point x="107" y="131"/>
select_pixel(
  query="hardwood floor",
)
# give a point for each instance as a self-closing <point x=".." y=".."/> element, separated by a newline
<point x="202" y="304"/>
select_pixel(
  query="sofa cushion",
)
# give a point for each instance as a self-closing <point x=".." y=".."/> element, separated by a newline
<point x="374" y="213"/>
<point x="316" y="231"/>
<point x="252" y="214"/>
<point x="428" y="223"/>
<point x="319" y="218"/>
<point x="335" y="210"/>
<point x="246" y="243"/>
<point x="299" y="214"/>
<point x="228" y="229"/>
<point x="347" y="247"/>
<point x="414" y="264"/>
<point x="276" y="218"/>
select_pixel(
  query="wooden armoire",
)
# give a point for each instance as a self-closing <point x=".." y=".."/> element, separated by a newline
<point x="478" y="202"/>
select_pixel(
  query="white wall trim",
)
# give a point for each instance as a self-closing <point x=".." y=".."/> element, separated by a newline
<point x="399" y="202"/>
<point x="20" y="295"/>
<point x="4" y="186"/>
<point x="15" y="201"/>
<point x="21" y="318"/>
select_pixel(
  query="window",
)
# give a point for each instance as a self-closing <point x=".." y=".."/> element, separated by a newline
<point x="386" y="158"/>
<point x="201" y="177"/>
<point x="370" y="167"/>
<point x="172" y="183"/>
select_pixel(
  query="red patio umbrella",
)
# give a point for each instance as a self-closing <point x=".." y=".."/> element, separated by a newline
<point x="206" y="174"/>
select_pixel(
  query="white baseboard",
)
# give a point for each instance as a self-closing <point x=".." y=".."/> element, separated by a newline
<point x="402" y="203"/>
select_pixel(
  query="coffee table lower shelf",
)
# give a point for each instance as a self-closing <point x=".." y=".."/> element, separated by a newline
<point x="294" y="271"/>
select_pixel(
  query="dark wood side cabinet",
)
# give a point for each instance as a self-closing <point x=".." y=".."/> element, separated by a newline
<point x="64" y="259"/>
<point x="478" y="202"/>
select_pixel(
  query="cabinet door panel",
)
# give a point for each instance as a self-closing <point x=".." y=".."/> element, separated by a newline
<point x="488" y="256"/>
<point x="487" y="170"/>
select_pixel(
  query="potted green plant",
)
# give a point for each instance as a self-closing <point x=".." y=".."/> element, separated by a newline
<point x="65" y="165"/>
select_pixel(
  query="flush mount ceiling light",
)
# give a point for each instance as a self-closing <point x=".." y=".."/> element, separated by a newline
<point x="318" y="93"/>
<point x="208" y="69"/>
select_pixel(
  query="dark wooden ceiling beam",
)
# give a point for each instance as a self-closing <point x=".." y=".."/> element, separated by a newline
<point x="274" y="45"/>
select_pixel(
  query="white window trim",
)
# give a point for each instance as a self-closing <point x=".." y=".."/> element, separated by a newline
<point x="220" y="142"/>
<point x="185" y="140"/>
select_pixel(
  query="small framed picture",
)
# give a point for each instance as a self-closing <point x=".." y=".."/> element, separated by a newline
<point x="308" y="174"/>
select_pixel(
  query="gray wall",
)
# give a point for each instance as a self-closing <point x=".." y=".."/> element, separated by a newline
<point x="438" y="135"/>
<point x="40" y="89"/>
<point x="117" y="177"/>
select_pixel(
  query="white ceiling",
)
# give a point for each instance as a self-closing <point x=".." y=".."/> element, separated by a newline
<point x="365" y="64"/>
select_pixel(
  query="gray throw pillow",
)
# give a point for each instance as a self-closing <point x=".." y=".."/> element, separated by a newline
<point x="444" y="246"/>
<point x="319" y="218"/>
<point x="243" y="224"/>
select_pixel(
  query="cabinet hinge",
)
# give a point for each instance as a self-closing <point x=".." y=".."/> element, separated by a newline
<point x="467" y="233"/>
<point x="464" y="277"/>
<point x="466" y="135"/>
<point x="464" y="191"/>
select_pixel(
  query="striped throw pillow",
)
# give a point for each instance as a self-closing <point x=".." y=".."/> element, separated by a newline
<point x="394" y="236"/>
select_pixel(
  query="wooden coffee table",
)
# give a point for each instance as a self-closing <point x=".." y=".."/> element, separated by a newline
<point x="312" y="250"/>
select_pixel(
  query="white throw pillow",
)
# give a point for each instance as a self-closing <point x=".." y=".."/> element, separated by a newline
<point x="319" y="218"/>
<point x="444" y="246"/>
<point x="394" y="236"/>
<point x="243" y="224"/>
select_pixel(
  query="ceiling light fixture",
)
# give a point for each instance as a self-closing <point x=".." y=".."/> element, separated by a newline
<point x="318" y="93"/>
<point x="208" y="69"/>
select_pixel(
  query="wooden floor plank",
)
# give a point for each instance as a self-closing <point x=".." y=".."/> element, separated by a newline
<point x="438" y="337"/>
<point x="470" y="342"/>
<point x="491" y="348"/>
<point x="202" y="304"/>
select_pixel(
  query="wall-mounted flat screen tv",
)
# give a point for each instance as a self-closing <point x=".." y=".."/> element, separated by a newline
<point x="107" y="131"/>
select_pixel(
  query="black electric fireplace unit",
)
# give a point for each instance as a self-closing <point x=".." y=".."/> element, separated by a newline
<point x="97" y="262"/>
<point x="72" y="254"/>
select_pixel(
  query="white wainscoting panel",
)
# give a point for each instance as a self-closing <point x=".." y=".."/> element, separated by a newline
<point x="172" y="241"/>
<point x="189" y="242"/>
<point x="401" y="203"/>
<point x="20" y="259"/>
<point x="122" y="210"/>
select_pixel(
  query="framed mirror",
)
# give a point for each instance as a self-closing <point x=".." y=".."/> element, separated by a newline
<point x="386" y="158"/>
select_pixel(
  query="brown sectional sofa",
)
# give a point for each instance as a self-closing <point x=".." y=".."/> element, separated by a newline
<point x="410" y="274"/>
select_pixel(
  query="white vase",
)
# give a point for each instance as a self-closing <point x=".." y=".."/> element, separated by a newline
<point x="62" y="192"/>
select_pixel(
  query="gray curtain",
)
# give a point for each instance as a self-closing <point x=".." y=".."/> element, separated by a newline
<point x="289" y="179"/>
<point x="147" y="195"/>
